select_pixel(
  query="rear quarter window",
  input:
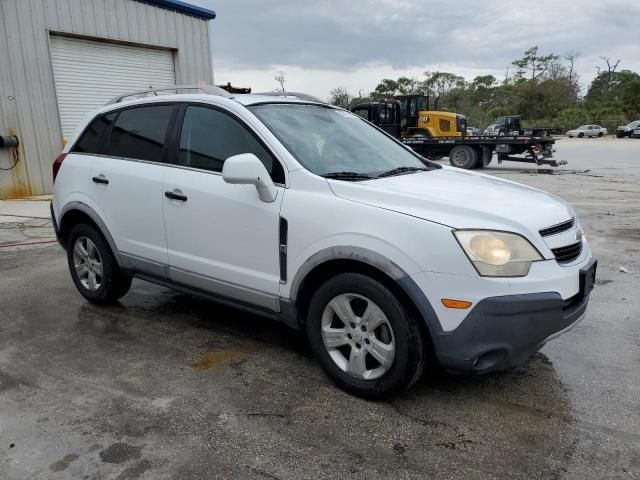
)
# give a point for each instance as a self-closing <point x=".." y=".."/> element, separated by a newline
<point x="91" y="139"/>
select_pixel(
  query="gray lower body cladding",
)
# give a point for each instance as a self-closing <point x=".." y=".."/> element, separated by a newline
<point x="502" y="332"/>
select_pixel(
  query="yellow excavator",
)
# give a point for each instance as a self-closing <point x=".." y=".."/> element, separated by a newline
<point x="410" y="115"/>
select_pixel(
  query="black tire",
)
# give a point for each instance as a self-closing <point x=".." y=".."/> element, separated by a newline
<point x="409" y="358"/>
<point x="480" y="162"/>
<point x="463" y="156"/>
<point x="600" y="134"/>
<point x="114" y="284"/>
<point x="580" y="135"/>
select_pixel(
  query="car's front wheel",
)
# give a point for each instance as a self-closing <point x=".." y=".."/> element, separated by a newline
<point x="580" y="135"/>
<point x="363" y="337"/>
<point x="93" y="267"/>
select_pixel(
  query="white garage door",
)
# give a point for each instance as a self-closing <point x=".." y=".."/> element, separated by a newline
<point x="88" y="74"/>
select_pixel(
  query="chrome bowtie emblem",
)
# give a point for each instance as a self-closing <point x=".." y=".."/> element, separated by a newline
<point x="579" y="235"/>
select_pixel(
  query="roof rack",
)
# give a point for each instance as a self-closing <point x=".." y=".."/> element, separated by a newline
<point x="207" y="89"/>
<point x="300" y="96"/>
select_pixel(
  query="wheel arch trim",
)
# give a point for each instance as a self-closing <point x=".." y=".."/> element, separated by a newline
<point x="379" y="262"/>
<point x="364" y="255"/>
<point x="102" y="227"/>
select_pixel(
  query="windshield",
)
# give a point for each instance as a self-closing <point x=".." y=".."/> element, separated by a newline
<point x="634" y="124"/>
<point x="501" y="121"/>
<point x="327" y="140"/>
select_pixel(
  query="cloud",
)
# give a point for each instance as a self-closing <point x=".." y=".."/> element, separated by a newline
<point x="358" y="36"/>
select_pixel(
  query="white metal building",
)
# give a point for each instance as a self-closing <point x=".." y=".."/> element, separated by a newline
<point x="62" y="58"/>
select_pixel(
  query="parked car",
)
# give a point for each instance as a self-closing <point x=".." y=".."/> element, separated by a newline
<point x="474" y="131"/>
<point x="636" y="133"/>
<point x="627" y="130"/>
<point x="587" y="131"/>
<point x="302" y="212"/>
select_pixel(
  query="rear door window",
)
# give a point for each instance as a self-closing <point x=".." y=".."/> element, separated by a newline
<point x="139" y="133"/>
<point x="210" y="136"/>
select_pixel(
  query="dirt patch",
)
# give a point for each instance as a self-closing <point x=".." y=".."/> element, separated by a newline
<point x="215" y="359"/>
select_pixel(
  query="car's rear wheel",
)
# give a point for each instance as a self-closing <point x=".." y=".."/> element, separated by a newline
<point x="93" y="267"/>
<point x="363" y="337"/>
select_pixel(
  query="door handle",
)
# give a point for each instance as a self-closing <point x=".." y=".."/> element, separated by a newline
<point x="100" y="179"/>
<point x="176" y="195"/>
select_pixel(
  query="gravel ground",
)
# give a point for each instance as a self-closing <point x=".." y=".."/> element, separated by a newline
<point x="166" y="386"/>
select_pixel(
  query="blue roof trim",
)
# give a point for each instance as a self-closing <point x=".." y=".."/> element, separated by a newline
<point x="183" y="8"/>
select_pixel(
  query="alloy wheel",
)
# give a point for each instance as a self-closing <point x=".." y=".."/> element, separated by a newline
<point x="88" y="263"/>
<point x="358" y="336"/>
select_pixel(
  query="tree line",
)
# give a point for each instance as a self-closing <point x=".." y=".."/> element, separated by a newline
<point x="542" y="88"/>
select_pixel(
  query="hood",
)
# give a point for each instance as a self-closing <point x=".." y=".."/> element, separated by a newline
<point x="460" y="199"/>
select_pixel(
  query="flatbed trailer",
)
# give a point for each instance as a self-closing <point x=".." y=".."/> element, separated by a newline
<point x="404" y="119"/>
<point x="477" y="151"/>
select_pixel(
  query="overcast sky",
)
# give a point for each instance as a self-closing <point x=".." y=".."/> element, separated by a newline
<point x="322" y="44"/>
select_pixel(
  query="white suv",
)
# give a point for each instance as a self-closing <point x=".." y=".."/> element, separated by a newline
<point x="308" y="214"/>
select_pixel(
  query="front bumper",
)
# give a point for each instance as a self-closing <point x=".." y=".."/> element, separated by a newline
<point x="501" y="332"/>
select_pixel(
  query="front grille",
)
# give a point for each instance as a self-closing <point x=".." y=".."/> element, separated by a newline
<point x="561" y="227"/>
<point x="568" y="253"/>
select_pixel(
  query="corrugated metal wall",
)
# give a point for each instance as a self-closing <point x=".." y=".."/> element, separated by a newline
<point x="28" y="106"/>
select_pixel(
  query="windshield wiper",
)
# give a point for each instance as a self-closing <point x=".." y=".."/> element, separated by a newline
<point x="399" y="170"/>
<point x="347" y="176"/>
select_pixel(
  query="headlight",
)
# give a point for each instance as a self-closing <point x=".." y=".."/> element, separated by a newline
<point x="498" y="254"/>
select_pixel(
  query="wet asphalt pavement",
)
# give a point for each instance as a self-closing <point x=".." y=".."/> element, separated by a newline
<point x="167" y="386"/>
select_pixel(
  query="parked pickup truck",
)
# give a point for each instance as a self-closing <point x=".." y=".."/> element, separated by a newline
<point x="510" y="125"/>
<point x="627" y="130"/>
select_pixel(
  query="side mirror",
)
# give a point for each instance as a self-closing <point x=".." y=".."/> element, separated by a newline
<point x="247" y="169"/>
